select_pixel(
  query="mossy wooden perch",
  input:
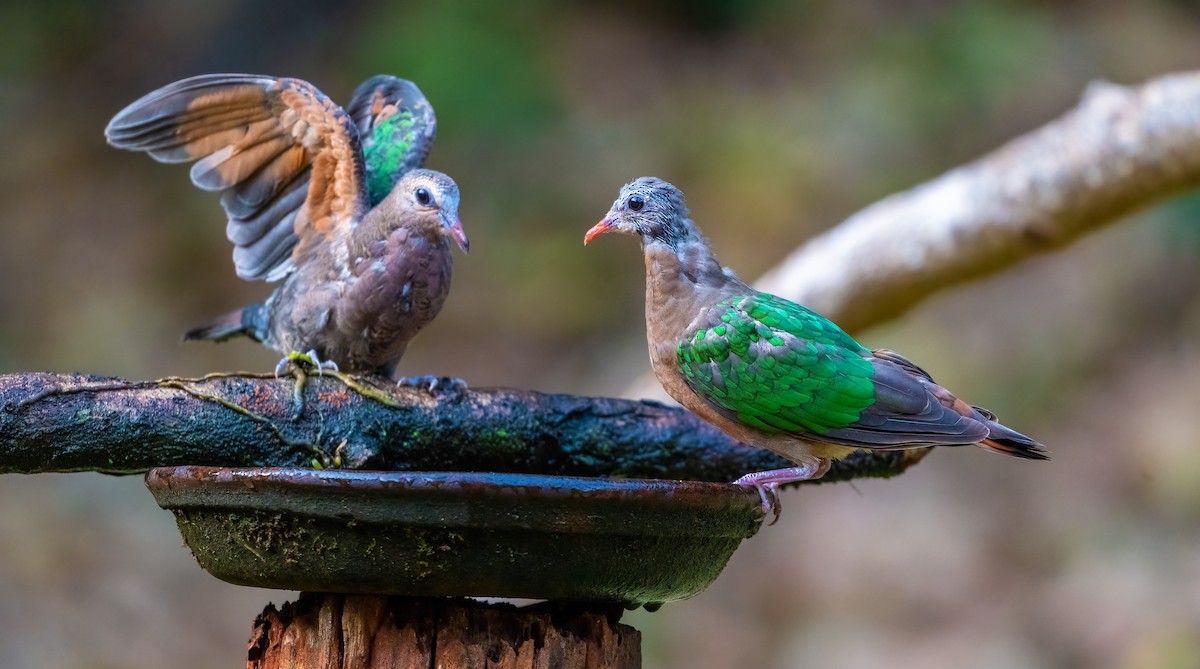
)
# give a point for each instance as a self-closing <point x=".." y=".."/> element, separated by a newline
<point x="63" y="422"/>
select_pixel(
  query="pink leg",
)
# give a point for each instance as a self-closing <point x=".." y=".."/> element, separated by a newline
<point x="768" y="482"/>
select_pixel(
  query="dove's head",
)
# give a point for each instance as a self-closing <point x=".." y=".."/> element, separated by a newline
<point x="433" y="198"/>
<point x="651" y="209"/>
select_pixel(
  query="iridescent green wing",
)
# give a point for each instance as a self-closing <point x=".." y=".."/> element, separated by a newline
<point x="397" y="127"/>
<point x="781" y="368"/>
<point x="777" y="366"/>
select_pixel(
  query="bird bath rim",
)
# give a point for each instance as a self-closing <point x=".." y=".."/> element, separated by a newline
<point x="458" y="533"/>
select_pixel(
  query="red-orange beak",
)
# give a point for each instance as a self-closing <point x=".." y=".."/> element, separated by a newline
<point x="598" y="229"/>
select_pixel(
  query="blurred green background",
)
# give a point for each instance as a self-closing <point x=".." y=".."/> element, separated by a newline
<point x="778" y="120"/>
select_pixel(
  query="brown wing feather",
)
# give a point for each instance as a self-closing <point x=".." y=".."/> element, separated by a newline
<point x="912" y="410"/>
<point x="907" y="412"/>
<point x="286" y="159"/>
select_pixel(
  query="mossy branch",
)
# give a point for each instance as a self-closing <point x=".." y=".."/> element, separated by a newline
<point x="60" y="422"/>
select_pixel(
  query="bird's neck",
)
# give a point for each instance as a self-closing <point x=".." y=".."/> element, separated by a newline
<point x="681" y="281"/>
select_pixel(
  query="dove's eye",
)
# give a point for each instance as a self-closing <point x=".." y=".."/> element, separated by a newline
<point x="636" y="203"/>
<point x="423" y="196"/>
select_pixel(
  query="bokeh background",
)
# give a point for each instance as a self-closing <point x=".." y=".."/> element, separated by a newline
<point x="778" y="119"/>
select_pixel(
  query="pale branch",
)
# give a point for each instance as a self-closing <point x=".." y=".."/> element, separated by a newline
<point x="61" y="422"/>
<point x="1120" y="149"/>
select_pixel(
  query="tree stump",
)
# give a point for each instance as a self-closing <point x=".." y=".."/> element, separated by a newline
<point x="333" y="631"/>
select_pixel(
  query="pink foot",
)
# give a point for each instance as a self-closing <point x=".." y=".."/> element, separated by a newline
<point x="767" y="483"/>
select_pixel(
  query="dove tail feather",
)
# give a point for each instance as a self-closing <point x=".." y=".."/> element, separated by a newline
<point x="246" y="322"/>
<point x="1000" y="439"/>
<point x="1010" y="442"/>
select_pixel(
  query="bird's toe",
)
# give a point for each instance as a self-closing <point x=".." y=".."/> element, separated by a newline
<point x="766" y="483"/>
<point x="434" y="385"/>
<point x="319" y="364"/>
<point x="305" y="362"/>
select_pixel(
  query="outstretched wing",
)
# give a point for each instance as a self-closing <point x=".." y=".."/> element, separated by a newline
<point x="286" y="159"/>
<point x="397" y="127"/>
<point x="781" y="368"/>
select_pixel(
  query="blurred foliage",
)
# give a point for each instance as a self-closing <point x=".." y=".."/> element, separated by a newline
<point x="508" y="95"/>
<point x="778" y="119"/>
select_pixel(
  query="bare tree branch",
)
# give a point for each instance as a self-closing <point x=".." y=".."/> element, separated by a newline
<point x="59" y="422"/>
<point x="1121" y="149"/>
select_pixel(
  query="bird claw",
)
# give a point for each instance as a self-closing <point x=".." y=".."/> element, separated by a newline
<point x="302" y="364"/>
<point x="305" y="361"/>
<point x="766" y="484"/>
<point x="768" y="494"/>
<point x="434" y="385"/>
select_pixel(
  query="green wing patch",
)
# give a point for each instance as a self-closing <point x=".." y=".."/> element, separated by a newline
<point x="397" y="126"/>
<point x="777" y="366"/>
<point x="388" y="151"/>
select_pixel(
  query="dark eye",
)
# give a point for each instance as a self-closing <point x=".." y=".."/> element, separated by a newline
<point x="423" y="196"/>
<point x="636" y="202"/>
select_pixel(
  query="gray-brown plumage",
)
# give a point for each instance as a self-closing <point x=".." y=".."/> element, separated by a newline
<point x="360" y="241"/>
<point x="772" y="373"/>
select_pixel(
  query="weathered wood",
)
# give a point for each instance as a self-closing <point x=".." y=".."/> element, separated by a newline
<point x="333" y="631"/>
<point x="63" y="422"/>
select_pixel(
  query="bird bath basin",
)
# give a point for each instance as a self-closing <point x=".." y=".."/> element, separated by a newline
<point x="445" y="534"/>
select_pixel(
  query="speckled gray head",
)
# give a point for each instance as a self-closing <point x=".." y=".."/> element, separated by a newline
<point x="650" y="208"/>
